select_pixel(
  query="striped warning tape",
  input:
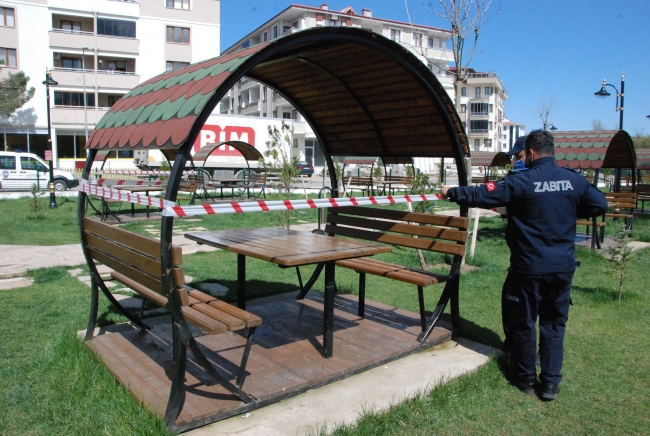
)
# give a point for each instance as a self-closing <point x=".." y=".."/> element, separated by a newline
<point x="126" y="196"/>
<point x="265" y="206"/>
<point x="120" y="182"/>
<point x="145" y="173"/>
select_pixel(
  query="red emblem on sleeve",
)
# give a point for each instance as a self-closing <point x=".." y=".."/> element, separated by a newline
<point x="491" y="186"/>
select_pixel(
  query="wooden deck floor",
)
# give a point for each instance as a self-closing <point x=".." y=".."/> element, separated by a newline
<point x="285" y="358"/>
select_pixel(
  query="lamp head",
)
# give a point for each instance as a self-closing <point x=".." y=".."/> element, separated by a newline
<point x="603" y="92"/>
<point x="552" y="126"/>
<point x="48" y="79"/>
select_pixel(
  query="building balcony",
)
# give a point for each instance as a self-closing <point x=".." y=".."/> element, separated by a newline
<point x="70" y="39"/>
<point x="102" y="78"/>
<point x="74" y="115"/>
<point x="478" y="131"/>
<point x="117" y="79"/>
<point x="479" y="114"/>
<point x="117" y="44"/>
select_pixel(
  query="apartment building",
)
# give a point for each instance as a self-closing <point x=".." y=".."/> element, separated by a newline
<point x="250" y="98"/>
<point x="482" y="109"/>
<point x="97" y="50"/>
<point x="511" y="131"/>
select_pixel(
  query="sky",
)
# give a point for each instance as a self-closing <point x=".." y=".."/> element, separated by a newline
<point x="559" y="49"/>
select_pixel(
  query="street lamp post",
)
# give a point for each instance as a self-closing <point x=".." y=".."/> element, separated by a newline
<point x="604" y="94"/>
<point x="83" y="67"/>
<point x="50" y="82"/>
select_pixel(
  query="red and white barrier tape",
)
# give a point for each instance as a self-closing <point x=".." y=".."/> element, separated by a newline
<point x="265" y="206"/>
<point x="144" y="173"/>
<point x="120" y="182"/>
<point x="126" y="196"/>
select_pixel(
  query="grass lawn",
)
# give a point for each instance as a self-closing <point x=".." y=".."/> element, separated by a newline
<point x="50" y="383"/>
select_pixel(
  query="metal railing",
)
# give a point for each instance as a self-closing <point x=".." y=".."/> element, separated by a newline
<point x="73" y="70"/>
<point x="481" y="113"/>
<point x="478" y="130"/>
<point x="124" y="73"/>
<point x="74" y="32"/>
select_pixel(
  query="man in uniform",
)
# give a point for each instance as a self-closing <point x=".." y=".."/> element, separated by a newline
<point x="543" y="204"/>
<point x="518" y="163"/>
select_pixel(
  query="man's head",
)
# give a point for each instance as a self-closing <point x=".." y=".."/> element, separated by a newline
<point x="539" y="143"/>
<point x="517" y="152"/>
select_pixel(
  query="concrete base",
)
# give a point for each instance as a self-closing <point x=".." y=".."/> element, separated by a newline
<point x="345" y="401"/>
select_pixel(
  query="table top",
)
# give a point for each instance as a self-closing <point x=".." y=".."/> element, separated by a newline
<point x="140" y="188"/>
<point x="287" y="248"/>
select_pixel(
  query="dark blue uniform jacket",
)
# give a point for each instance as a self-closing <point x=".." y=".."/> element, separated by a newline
<point x="543" y="204"/>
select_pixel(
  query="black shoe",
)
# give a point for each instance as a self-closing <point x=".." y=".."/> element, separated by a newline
<point x="550" y="391"/>
<point x="527" y="387"/>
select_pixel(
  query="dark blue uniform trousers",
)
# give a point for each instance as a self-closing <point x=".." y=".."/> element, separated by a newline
<point x="528" y="298"/>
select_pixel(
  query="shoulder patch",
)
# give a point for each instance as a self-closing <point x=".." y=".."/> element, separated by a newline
<point x="491" y="186"/>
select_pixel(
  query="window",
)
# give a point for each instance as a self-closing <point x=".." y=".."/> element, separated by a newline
<point x="477" y="92"/>
<point x="395" y="35"/>
<point x="67" y="98"/>
<point x="488" y="143"/>
<point x="7" y="17"/>
<point x="7" y="162"/>
<point x="477" y="144"/>
<point x="265" y="37"/>
<point x="275" y="32"/>
<point x="113" y="65"/>
<point x="29" y="163"/>
<point x="463" y="91"/>
<point x="491" y="125"/>
<point x="175" y="65"/>
<point x="417" y="39"/>
<point x="125" y="29"/>
<point x="491" y="108"/>
<point x="478" y="126"/>
<point x="71" y="63"/>
<point x="286" y="115"/>
<point x="8" y="57"/>
<point x="430" y="42"/>
<point x="178" y="4"/>
<point x="71" y="26"/>
<point x="479" y="109"/>
<point x="488" y="90"/>
<point x="179" y="35"/>
<point x="463" y="108"/>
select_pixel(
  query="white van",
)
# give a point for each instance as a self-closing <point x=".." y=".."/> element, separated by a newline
<point x="22" y="170"/>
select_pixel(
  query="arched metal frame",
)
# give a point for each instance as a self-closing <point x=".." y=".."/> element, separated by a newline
<point x="286" y="48"/>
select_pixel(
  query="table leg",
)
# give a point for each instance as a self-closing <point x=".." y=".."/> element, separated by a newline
<point x="241" y="281"/>
<point x="328" y="309"/>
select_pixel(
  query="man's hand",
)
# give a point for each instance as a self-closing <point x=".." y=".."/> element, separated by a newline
<point x="444" y="191"/>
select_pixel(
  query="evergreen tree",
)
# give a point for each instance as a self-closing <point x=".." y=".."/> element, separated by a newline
<point x="14" y="93"/>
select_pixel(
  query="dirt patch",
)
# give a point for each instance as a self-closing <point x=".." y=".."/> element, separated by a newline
<point x="444" y="267"/>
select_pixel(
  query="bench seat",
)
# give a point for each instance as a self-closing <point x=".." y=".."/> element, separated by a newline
<point x="392" y="271"/>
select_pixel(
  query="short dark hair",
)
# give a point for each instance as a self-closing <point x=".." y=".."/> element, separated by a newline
<point x="541" y="141"/>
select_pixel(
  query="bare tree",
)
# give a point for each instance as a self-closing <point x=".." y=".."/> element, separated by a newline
<point x="466" y="18"/>
<point x="598" y="125"/>
<point x="545" y="107"/>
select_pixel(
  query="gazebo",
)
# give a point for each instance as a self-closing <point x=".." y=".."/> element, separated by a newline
<point x="487" y="159"/>
<point x="362" y="94"/>
<point x="595" y="149"/>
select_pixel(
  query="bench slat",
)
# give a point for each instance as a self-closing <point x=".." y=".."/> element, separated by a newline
<point x="422" y="244"/>
<point x="250" y="319"/>
<point x="125" y="255"/>
<point x="462" y="223"/>
<point x="392" y="271"/>
<point x="142" y="243"/>
<point x="400" y="227"/>
<point x="193" y="316"/>
<point x="128" y="271"/>
<point x="231" y="322"/>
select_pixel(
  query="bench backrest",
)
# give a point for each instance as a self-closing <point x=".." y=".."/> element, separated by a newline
<point x="407" y="180"/>
<point x="423" y="231"/>
<point x="643" y="189"/>
<point x="187" y="186"/>
<point x="358" y="180"/>
<point x="132" y="255"/>
<point x="621" y="200"/>
<point x="256" y="178"/>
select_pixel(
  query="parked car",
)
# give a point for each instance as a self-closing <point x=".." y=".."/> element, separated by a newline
<point x="305" y="168"/>
<point x="22" y="170"/>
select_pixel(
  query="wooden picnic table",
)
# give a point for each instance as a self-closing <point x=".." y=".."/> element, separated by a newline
<point x="287" y="249"/>
<point x="140" y="188"/>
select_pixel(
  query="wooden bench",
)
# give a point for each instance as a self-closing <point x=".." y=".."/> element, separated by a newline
<point x="359" y="183"/>
<point x="396" y="183"/>
<point x="415" y="230"/>
<point x="622" y="205"/>
<point x="137" y="263"/>
<point x="188" y="186"/>
<point x="642" y="195"/>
